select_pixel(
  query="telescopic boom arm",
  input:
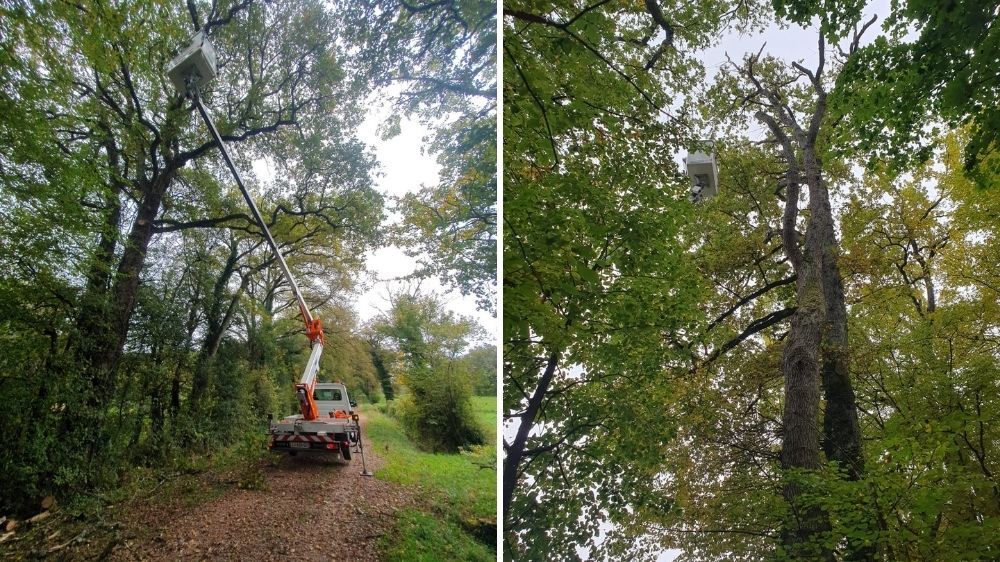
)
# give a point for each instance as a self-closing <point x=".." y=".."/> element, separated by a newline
<point x="314" y="328"/>
<point x="192" y="68"/>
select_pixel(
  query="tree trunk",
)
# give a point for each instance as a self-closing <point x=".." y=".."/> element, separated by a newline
<point x="817" y="345"/>
<point x="219" y="317"/>
<point x="125" y="289"/>
<point x="516" y="450"/>
<point x="841" y="432"/>
<point x="104" y="317"/>
<point x="189" y="328"/>
<point x="801" y="363"/>
<point x="800" y="366"/>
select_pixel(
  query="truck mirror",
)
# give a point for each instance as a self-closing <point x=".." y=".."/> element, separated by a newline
<point x="270" y="417"/>
<point x="354" y="403"/>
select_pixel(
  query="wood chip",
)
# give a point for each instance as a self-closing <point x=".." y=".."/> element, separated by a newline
<point x="41" y="516"/>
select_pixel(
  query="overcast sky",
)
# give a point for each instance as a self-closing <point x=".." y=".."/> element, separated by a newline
<point x="405" y="168"/>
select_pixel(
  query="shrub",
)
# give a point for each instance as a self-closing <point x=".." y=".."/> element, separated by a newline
<point x="437" y="411"/>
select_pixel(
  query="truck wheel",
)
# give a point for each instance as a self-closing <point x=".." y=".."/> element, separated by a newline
<point x="345" y="452"/>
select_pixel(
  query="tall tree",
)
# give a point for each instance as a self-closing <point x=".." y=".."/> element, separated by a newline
<point x="816" y="348"/>
<point x="594" y="277"/>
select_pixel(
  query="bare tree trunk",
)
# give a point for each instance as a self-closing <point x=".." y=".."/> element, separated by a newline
<point x="515" y="452"/>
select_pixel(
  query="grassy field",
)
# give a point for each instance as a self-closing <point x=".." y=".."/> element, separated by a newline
<point x="460" y="491"/>
<point x="486" y="413"/>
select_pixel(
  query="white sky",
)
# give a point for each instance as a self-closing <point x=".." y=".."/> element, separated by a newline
<point x="405" y="168"/>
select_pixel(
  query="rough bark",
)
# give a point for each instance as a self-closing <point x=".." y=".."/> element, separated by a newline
<point x="817" y="347"/>
<point x="105" y="314"/>
<point x="841" y="431"/>
<point x="800" y="366"/>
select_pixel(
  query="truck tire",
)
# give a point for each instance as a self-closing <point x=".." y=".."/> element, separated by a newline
<point x="345" y="452"/>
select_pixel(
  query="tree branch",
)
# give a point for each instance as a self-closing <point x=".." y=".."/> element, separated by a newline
<point x="754" y="327"/>
<point x="750" y="297"/>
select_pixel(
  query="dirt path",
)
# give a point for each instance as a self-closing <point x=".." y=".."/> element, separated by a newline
<point x="312" y="508"/>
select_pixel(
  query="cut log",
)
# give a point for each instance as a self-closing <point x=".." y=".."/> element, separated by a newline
<point x="10" y="525"/>
<point x="48" y="502"/>
<point x="40" y="517"/>
<point x="5" y="536"/>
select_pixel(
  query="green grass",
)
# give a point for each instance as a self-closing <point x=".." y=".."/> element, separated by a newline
<point x="460" y="491"/>
<point x="424" y="538"/>
<point x="485" y="408"/>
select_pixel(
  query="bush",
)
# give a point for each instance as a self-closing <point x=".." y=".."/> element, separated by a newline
<point x="437" y="412"/>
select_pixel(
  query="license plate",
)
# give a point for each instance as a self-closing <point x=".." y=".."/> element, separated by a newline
<point x="299" y="445"/>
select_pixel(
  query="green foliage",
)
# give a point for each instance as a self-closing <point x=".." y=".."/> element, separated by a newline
<point x="424" y="538"/>
<point x="596" y="278"/>
<point x="350" y="360"/>
<point x="836" y="17"/>
<point x="141" y="321"/>
<point x="460" y="490"/>
<point x="658" y="422"/>
<point x="464" y="485"/>
<point x="380" y="358"/>
<point x="436" y="409"/>
<point x="481" y="363"/>
<point x="437" y="412"/>
<point x="896" y="93"/>
<point x="455" y="222"/>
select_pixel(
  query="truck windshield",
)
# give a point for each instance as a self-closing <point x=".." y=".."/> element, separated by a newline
<point x="327" y="394"/>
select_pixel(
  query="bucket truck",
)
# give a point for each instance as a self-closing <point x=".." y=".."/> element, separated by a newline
<point x="326" y="421"/>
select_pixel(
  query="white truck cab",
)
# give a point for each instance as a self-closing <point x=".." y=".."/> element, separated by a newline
<point x="331" y="397"/>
